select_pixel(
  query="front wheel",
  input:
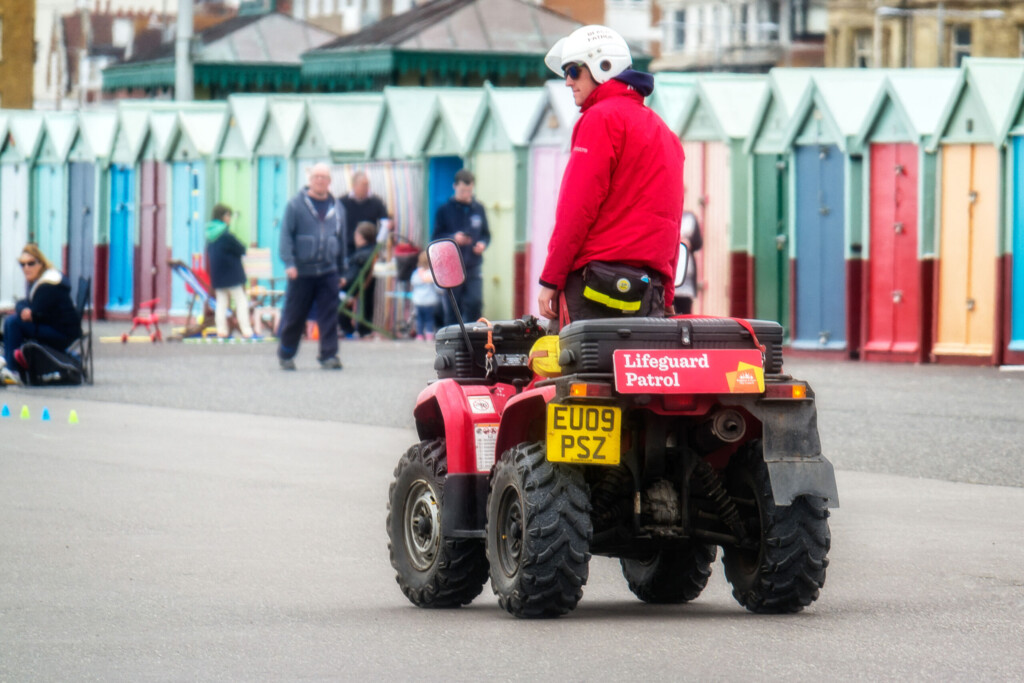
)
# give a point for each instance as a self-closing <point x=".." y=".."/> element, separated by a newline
<point x="673" y="573"/>
<point x="538" y="533"/>
<point x="782" y="569"/>
<point x="433" y="571"/>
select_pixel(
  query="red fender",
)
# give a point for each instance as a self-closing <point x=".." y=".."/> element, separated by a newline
<point x="443" y="410"/>
<point x="519" y="422"/>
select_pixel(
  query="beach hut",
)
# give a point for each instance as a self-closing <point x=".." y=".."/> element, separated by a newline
<point x="973" y="217"/>
<point x="192" y="155"/>
<point x="13" y="216"/>
<point x="828" y="207"/>
<point x="770" y="163"/>
<point x="445" y="142"/>
<point x="286" y="118"/>
<point x="398" y="142"/>
<point x="899" y="176"/>
<point x="672" y="97"/>
<point x="88" y="202"/>
<point x="498" y="152"/>
<point x="50" y="185"/>
<point x="716" y="183"/>
<point x="17" y="147"/>
<point x="1012" y="266"/>
<point x="247" y="120"/>
<point x="153" y="279"/>
<point x="549" y="154"/>
<point x="131" y="133"/>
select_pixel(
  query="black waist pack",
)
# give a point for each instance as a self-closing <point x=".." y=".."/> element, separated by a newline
<point x="616" y="286"/>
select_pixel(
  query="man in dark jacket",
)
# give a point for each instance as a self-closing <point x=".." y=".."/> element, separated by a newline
<point x="227" y="274"/>
<point x="464" y="220"/>
<point x="313" y="251"/>
<point x="361" y="206"/>
<point x="621" y="199"/>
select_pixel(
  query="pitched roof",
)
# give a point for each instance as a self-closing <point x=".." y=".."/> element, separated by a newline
<point x="464" y="25"/>
<point x="271" y="38"/>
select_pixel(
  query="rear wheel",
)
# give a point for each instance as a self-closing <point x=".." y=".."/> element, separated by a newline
<point x="675" y="572"/>
<point x="783" y="569"/>
<point x="538" y="533"/>
<point x="433" y="571"/>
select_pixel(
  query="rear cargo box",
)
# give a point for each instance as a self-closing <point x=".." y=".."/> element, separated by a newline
<point x="513" y="340"/>
<point x="587" y="345"/>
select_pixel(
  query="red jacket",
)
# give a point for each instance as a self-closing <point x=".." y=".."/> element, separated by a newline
<point x="621" y="198"/>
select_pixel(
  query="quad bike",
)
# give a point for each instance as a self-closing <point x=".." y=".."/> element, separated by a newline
<point x="650" y="440"/>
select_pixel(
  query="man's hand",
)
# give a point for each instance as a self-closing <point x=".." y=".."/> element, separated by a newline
<point x="462" y="239"/>
<point x="548" y="303"/>
<point x="478" y="248"/>
<point x="341" y="283"/>
<point x="292" y="272"/>
<point x="26" y="314"/>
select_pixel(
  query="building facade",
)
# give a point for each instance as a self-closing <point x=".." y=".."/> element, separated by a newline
<point x="921" y="33"/>
<point x="17" y="18"/>
<point x="741" y="35"/>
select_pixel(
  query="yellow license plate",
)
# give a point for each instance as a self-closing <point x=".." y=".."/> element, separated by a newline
<point x="582" y="434"/>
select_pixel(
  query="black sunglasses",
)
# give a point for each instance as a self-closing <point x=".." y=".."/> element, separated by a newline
<point x="572" y="71"/>
<point x="28" y="264"/>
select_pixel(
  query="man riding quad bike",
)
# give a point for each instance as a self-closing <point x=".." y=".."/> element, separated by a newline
<point x="653" y="440"/>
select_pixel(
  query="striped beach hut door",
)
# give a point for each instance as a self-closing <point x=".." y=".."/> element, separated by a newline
<point x="154" y="274"/>
<point x="771" y="239"/>
<point x="273" y="196"/>
<point x="820" y="256"/>
<point x="894" y="294"/>
<point x="967" y="251"/>
<point x="81" y="221"/>
<point x="1017" y="273"/>
<point x="13" y="230"/>
<point x="121" y="267"/>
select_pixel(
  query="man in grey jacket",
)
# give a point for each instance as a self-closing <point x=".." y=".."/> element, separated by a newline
<point x="313" y="251"/>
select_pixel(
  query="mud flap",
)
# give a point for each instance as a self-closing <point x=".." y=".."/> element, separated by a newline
<point x="464" y="511"/>
<point x="792" y="452"/>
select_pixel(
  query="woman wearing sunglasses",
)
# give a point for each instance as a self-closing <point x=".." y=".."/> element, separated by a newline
<point x="615" y="243"/>
<point x="47" y="315"/>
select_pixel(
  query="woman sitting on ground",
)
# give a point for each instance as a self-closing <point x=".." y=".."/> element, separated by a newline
<point x="47" y="315"/>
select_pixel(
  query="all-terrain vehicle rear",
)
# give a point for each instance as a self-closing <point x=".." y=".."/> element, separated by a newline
<point x="654" y="441"/>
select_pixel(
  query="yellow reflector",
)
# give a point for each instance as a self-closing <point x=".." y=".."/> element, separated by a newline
<point x="544" y="356"/>
<point x="799" y="391"/>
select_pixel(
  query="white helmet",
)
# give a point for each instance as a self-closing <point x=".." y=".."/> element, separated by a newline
<point x="603" y="51"/>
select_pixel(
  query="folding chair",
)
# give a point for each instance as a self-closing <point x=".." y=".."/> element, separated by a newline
<point x="82" y="347"/>
<point x="353" y="307"/>
<point x="202" y="293"/>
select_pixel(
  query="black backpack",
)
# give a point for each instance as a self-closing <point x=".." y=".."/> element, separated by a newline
<point x="48" y="366"/>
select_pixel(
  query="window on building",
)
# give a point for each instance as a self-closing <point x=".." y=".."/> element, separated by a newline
<point x="961" y="44"/>
<point x="679" y="28"/>
<point x="862" y="47"/>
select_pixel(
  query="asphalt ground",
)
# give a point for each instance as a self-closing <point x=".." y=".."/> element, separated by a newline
<point x="211" y="517"/>
<point x="936" y="421"/>
<point x="160" y="544"/>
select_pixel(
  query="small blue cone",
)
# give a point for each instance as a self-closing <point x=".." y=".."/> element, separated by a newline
<point x="46" y="414"/>
<point x="6" y="411"/>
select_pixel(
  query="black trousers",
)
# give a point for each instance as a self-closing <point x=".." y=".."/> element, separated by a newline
<point x="300" y="296"/>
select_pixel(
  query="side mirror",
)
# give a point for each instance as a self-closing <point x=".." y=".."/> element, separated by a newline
<point x="446" y="265"/>
<point x="682" y="264"/>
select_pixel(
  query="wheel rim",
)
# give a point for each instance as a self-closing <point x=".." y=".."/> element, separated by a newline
<point x="510" y="527"/>
<point x="422" y="526"/>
